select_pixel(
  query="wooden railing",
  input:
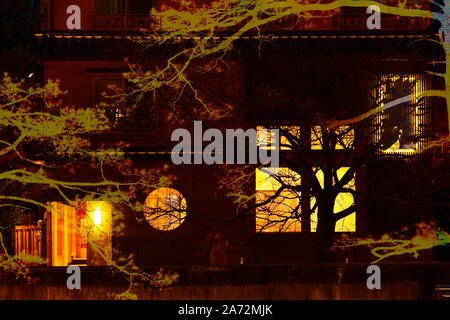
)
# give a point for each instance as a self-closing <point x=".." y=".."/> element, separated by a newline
<point x="124" y="120"/>
<point x="28" y="241"/>
<point x="358" y="22"/>
<point x="140" y="22"/>
<point x="121" y="22"/>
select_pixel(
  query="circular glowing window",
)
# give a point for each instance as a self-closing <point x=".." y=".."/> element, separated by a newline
<point x="165" y="209"/>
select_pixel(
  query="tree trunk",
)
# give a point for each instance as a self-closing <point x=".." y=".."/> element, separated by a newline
<point x="325" y="230"/>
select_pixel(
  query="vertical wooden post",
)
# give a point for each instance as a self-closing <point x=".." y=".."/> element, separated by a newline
<point x="125" y="11"/>
<point x="305" y="139"/>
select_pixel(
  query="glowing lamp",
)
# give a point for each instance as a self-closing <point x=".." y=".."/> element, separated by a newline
<point x="97" y="216"/>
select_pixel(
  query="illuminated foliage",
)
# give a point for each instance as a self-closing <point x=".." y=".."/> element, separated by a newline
<point x="427" y="237"/>
<point x="43" y="147"/>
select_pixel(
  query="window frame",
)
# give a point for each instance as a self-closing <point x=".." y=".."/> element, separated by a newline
<point x="182" y="213"/>
<point x="304" y="135"/>
<point x="297" y="223"/>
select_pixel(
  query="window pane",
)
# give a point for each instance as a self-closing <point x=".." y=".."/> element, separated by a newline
<point x="342" y="202"/>
<point x="399" y="128"/>
<point x="268" y="179"/>
<point x="344" y="138"/>
<point x="316" y="138"/>
<point x="347" y="224"/>
<point x="165" y="209"/>
<point x="280" y="214"/>
<point x="109" y="6"/>
<point x="140" y="6"/>
<point x="288" y="133"/>
<point x="264" y="137"/>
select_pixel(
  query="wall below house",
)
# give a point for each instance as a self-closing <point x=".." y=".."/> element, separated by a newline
<point x="321" y="281"/>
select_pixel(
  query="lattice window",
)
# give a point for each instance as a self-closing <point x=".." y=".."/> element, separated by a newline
<point x="401" y="123"/>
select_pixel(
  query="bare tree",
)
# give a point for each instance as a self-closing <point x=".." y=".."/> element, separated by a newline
<point x="335" y="142"/>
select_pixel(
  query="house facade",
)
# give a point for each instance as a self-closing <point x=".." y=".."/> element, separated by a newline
<point x="295" y="74"/>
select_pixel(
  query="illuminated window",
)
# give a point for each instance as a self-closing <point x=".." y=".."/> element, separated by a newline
<point x="286" y="133"/>
<point x="72" y="227"/>
<point x="264" y="138"/>
<point x="165" y="209"/>
<point x="343" y="201"/>
<point x="401" y="127"/>
<point x="342" y="138"/>
<point x="281" y="213"/>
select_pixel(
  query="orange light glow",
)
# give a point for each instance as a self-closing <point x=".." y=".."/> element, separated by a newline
<point x="415" y="118"/>
<point x="280" y="213"/>
<point x="165" y="209"/>
<point x="264" y="140"/>
<point x="97" y="216"/>
<point x="343" y="201"/>
<point x="345" y="137"/>
<point x="75" y="229"/>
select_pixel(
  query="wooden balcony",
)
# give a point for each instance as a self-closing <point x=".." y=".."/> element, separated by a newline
<point x="144" y="22"/>
<point x="29" y="242"/>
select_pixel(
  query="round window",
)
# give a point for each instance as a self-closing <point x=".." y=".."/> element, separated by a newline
<point x="165" y="209"/>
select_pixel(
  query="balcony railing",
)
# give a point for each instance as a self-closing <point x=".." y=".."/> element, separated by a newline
<point x="358" y="22"/>
<point x="122" y="22"/>
<point x="29" y="242"/>
<point x="140" y="22"/>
